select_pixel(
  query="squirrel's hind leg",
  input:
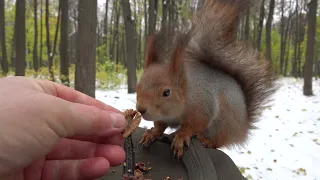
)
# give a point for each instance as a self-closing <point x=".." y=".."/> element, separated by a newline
<point x="151" y="134"/>
<point x="229" y="127"/>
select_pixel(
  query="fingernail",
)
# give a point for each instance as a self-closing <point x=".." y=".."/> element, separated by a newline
<point x="118" y="119"/>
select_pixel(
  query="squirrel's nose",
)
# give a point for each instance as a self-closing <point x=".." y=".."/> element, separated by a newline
<point x="142" y="110"/>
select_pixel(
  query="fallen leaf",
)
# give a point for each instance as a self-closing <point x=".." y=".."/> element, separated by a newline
<point x="269" y="169"/>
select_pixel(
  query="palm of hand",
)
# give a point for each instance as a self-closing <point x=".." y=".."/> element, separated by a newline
<point x="40" y="123"/>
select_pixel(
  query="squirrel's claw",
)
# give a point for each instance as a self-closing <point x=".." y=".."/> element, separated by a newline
<point x="206" y="142"/>
<point x="148" y="138"/>
<point x="178" y="142"/>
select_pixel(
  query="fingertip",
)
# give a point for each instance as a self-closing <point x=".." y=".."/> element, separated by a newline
<point x="88" y="120"/>
<point x="115" y="154"/>
<point x="94" y="167"/>
<point x="109" y="123"/>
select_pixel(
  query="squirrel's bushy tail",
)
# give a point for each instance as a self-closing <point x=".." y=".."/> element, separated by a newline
<point x="213" y="41"/>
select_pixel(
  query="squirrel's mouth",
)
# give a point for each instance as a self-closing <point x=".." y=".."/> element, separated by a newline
<point x="149" y="117"/>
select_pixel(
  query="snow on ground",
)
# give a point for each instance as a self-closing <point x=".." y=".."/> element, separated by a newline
<point x="287" y="143"/>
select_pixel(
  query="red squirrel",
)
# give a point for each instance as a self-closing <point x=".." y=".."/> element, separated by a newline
<point x="204" y="81"/>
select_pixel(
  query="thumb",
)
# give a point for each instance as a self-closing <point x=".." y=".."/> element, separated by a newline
<point x="82" y="119"/>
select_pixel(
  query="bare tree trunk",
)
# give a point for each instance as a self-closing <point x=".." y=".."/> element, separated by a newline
<point x="145" y="19"/>
<point x="123" y="55"/>
<point x="118" y="55"/>
<point x="284" y="33"/>
<point x="260" y="26"/>
<point x="183" y="18"/>
<point x="35" y="45"/>
<point x="268" y="30"/>
<point x="55" y="41"/>
<point x="288" y="34"/>
<point x="116" y="14"/>
<point x="3" y="50"/>
<point x="85" y="75"/>
<point x="116" y="32"/>
<point x="247" y="27"/>
<point x="72" y="37"/>
<point x="20" y="43"/>
<point x="316" y="61"/>
<point x="99" y="33"/>
<point x="64" y="58"/>
<point x="171" y="14"/>
<point x="13" y="46"/>
<point x="41" y="36"/>
<point x="105" y="29"/>
<point x="152" y="19"/>
<point x="131" y="49"/>
<point x="139" y="55"/>
<point x="137" y="21"/>
<point x="282" y="39"/>
<point x="111" y="27"/>
<point x="106" y="19"/>
<point x="254" y="39"/>
<point x="240" y="30"/>
<point x="164" y="20"/>
<point x="312" y="20"/>
<point x="153" y="11"/>
<point x="301" y="35"/>
<point x="135" y="13"/>
<point x="299" y="60"/>
<point x="296" y="36"/>
<point x="50" y="60"/>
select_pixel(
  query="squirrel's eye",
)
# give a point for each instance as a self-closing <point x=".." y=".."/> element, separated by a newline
<point x="166" y="92"/>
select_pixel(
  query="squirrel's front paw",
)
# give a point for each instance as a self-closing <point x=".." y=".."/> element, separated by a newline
<point x="148" y="137"/>
<point x="178" y="142"/>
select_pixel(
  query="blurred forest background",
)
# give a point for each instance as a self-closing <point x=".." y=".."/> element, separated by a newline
<point x="89" y="44"/>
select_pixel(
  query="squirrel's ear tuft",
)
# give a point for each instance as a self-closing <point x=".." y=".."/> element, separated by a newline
<point x="150" y="55"/>
<point x="177" y="56"/>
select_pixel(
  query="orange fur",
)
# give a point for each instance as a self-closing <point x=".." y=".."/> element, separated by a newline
<point x="179" y="64"/>
<point x="153" y="133"/>
<point x="224" y="137"/>
<point x="150" y="51"/>
<point x="192" y="124"/>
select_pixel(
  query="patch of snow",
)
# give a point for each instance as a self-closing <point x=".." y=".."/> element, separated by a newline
<point x="286" y="144"/>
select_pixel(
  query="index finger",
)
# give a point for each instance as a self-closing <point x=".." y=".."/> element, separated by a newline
<point x="72" y="95"/>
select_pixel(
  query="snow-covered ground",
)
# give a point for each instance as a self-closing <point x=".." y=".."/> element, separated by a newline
<point x="287" y="143"/>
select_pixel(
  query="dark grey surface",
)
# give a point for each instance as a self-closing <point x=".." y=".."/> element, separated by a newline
<point x="198" y="160"/>
<point x="159" y="156"/>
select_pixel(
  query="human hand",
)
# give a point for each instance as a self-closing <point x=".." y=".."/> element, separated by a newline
<point x="49" y="131"/>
